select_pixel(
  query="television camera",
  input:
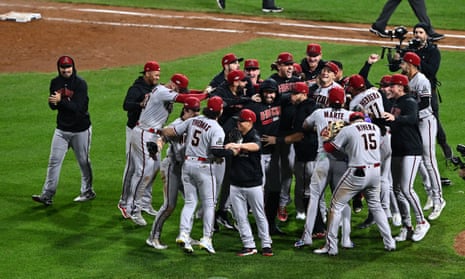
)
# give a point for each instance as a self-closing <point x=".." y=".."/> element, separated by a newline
<point x="400" y="34"/>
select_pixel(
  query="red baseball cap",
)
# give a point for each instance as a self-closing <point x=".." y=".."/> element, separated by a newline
<point x="412" y="58"/>
<point x="313" y="50"/>
<point x="151" y="66"/>
<point x="285" y="58"/>
<point x="230" y="58"/>
<point x="297" y="68"/>
<point x="385" y="80"/>
<point x="215" y="104"/>
<point x="356" y="81"/>
<point x="247" y="115"/>
<point x="192" y="103"/>
<point x="300" y="87"/>
<point x="399" y="79"/>
<point x="336" y="95"/>
<point x="235" y="76"/>
<point x="181" y="80"/>
<point x="356" y="115"/>
<point x="65" y="62"/>
<point x="251" y="64"/>
<point x="332" y="67"/>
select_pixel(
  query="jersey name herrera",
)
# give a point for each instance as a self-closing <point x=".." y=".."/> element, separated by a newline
<point x="199" y="123"/>
<point x="370" y="97"/>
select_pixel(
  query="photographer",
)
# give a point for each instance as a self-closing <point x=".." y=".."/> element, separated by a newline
<point x="430" y="61"/>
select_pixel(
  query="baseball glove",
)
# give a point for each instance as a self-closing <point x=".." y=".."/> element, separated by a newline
<point x="333" y="129"/>
<point x="152" y="148"/>
<point x="235" y="136"/>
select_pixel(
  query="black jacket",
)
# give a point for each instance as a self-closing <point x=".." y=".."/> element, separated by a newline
<point x="135" y="95"/>
<point x="73" y="115"/>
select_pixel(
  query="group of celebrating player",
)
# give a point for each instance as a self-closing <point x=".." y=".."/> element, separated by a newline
<point x="254" y="135"/>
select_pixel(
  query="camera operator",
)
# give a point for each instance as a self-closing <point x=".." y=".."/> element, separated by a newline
<point x="430" y="60"/>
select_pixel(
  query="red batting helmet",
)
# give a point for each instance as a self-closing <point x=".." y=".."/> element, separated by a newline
<point x="336" y="95"/>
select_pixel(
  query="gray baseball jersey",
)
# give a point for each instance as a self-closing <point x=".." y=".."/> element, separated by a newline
<point x="321" y="94"/>
<point x="371" y="101"/>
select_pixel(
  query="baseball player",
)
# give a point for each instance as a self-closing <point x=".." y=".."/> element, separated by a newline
<point x="370" y="102"/>
<point x="68" y="95"/>
<point x="268" y="112"/>
<point x="170" y="171"/>
<point x="305" y="145"/>
<point x="407" y="151"/>
<point x="234" y="96"/>
<point x="145" y="144"/>
<point x="312" y="64"/>
<point x="134" y="102"/>
<point x="420" y="88"/>
<point x="246" y="185"/>
<point x="326" y="80"/>
<point x="204" y="142"/>
<point x="328" y="170"/>
<point x="361" y="142"/>
<point x="285" y="78"/>
<point x="252" y="70"/>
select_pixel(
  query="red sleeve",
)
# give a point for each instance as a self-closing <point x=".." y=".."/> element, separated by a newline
<point x="329" y="147"/>
<point x="181" y="98"/>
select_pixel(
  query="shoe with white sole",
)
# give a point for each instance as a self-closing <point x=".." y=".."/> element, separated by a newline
<point x="420" y="231"/>
<point x="247" y="252"/>
<point x="437" y="211"/>
<point x="273" y="10"/>
<point x="301" y="243"/>
<point x="184" y="241"/>
<point x="428" y="204"/>
<point x="90" y="195"/>
<point x="138" y="219"/>
<point x="300" y="216"/>
<point x="206" y="243"/>
<point x="123" y="211"/>
<point x="397" y="219"/>
<point x="149" y="210"/>
<point x="155" y="243"/>
<point x="324" y="250"/>
<point x="404" y="234"/>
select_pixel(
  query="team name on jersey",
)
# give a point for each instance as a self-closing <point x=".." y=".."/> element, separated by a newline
<point x="334" y="114"/>
<point x="370" y="97"/>
<point x="365" y="127"/>
<point x="320" y="99"/>
<point x="199" y="123"/>
<point x="269" y="115"/>
<point x="285" y="87"/>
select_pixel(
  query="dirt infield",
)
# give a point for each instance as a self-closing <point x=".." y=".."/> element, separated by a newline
<point x="124" y="36"/>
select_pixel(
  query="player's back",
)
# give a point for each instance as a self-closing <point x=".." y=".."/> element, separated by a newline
<point x="370" y="101"/>
<point x="203" y="134"/>
<point x="361" y="142"/>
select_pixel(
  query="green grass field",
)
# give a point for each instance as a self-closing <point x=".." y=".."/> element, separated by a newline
<point x="91" y="240"/>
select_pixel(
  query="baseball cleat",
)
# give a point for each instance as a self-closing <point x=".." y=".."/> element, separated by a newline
<point x="149" y="210"/>
<point x="247" y="252"/>
<point x="44" y="200"/>
<point x="404" y="234"/>
<point x="324" y="250"/>
<point x="389" y="249"/>
<point x="184" y="241"/>
<point x="267" y="252"/>
<point x="437" y="211"/>
<point x="206" y="243"/>
<point x="138" y="219"/>
<point x="301" y="243"/>
<point x="123" y="211"/>
<point x="223" y="220"/>
<point x="155" y="243"/>
<point x="420" y="231"/>
<point x="428" y="204"/>
<point x="90" y="195"/>
<point x="300" y="216"/>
